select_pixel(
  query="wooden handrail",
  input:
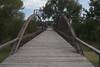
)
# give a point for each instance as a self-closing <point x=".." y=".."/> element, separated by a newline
<point x="29" y="35"/>
<point x="8" y="43"/>
<point x="78" y="42"/>
<point x="69" y="22"/>
<point x="22" y="31"/>
<point x="97" y="51"/>
<point x="16" y="39"/>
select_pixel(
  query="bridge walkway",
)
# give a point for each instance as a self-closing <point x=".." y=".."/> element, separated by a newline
<point x="46" y="50"/>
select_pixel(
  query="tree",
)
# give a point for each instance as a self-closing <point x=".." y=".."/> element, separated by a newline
<point x="90" y="27"/>
<point x="11" y="18"/>
<point x="71" y="7"/>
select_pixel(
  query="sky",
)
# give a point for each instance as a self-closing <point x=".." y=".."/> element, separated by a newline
<point x="30" y="5"/>
<point x="85" y="3"/>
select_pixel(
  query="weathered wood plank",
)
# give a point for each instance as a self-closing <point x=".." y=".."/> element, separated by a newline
<point x="46" y="50"/>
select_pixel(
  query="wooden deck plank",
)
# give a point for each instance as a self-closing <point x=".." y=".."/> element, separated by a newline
<point x="46" y="50"/>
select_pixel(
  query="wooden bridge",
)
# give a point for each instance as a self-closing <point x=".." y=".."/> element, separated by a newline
<point x="46" y="50"/>
<point x="49" y="49"/>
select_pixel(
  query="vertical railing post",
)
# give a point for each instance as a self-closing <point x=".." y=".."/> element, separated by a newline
<point x="20" y="35"/>
<point x="80" y="49"/>
<point x="69" y="22"/>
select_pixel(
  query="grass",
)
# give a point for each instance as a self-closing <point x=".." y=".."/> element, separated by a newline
<point x="91" y="56"/>
<point x="4" y="53"/>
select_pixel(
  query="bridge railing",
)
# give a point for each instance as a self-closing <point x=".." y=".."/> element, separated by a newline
<point x="90" y="52"/>
<point x="64" y="28"/>
<point x="28" y="31"/>
<point x="8" y="43"/>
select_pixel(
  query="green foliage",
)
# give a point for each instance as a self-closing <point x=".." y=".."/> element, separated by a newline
<point x="11" y="19"/>
<point x="89" y="28"/>
<point x="70" y="7"/>
<point x="4" y="53"/>
<point x="34" y="25"/>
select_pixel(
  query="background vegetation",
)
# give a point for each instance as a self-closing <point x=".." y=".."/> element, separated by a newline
<point x="86" y="26"/>
<point x="11" y="19"/>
